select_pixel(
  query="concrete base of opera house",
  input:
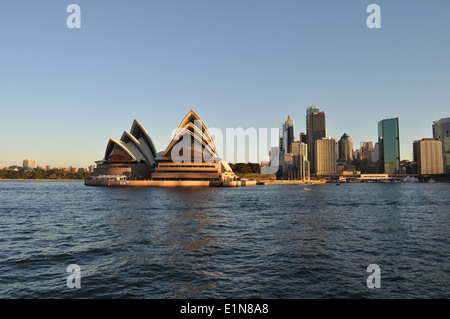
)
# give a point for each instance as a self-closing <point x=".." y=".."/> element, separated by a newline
<point x="150" y="183"/>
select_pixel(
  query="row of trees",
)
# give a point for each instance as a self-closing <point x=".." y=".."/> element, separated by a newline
<point x="246" y="168"/>
<point x="40" y="174"/>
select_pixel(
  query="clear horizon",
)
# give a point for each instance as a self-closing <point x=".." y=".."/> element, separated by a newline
<point x="66" y="92"/>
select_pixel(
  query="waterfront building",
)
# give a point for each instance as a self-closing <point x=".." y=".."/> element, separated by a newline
<point x="367" y="157"/>
<point x="428" y="156"/>
<point x="300" y="163"/>
<point x="192" y="155"/>
<point x="280" y="172"/>
<point x="190" y="159"/>
<point x="315" y="130"/>
<point x="325" y="156"/>
<point x="133" y="156"/>
<point x="346" y="149"/>
<point x="287" y="166"/>
<point x="441" y="131"/>
<point x="389" y="146"/>
<point x="406" y="167"/>
<point x="29" y="165"/>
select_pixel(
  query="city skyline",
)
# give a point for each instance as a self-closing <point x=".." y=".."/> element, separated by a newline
<point x="64" y="91"/>
<point x="296" y="139"/>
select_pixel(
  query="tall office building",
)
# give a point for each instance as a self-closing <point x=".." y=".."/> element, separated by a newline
<point x="325" y="155"/>
<point x="389" y="146"/>
<point x="300" y="163"/>
<point x="367" y="156"/>
<point x="428" y="156"/>
<point x="315" y="130"/>
<point x="288" y="132"/>
<point x="441" y="131"/>
<point x="346" y="149"/>
<point x="29" y="164"/>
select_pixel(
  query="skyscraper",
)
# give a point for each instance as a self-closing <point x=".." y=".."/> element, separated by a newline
<point x="428" y="156"/>
<point x="389" y="143"/>
<point x="325" y="155"/>
<point x="441" y="131"/>
<point x="288" y="135"/>
<point x="346" y="149"/>
<point x="367" y="156"/>
<point x="315" y="130"/>
<point x="300" y="161"/>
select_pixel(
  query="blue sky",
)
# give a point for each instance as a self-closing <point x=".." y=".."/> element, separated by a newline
<point x="238" y="63"/>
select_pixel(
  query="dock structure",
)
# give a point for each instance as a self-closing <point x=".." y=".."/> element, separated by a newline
<point x="152" y="183"/>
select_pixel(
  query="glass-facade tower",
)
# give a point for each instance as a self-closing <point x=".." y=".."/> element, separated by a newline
<point x="389" y="144"/>
<point x="288" y="135"/>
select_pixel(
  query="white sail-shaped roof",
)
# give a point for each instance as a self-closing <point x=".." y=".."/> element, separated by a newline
<point x="141" y="134"/>
<point x="191" y="125"/>
<point x="118" y="150"/>
<point x="136" y="146"/>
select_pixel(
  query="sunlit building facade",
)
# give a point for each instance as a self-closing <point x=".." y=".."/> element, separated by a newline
<point x="315" y="130"/>
<point x="192" y="155"/>
<point x="441" y="131"/>
<point x="346" y="149"/>
<point x="326" y="156"/>
<point x="428" y="156"/>
<point x="132" y="157"/>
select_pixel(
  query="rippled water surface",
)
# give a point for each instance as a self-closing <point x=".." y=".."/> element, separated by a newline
<point x="278" y="241"/>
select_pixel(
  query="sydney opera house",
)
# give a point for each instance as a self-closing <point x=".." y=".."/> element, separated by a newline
<point x="190" y="159"/>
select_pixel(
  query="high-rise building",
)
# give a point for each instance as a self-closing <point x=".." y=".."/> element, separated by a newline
<point x="29" y="164"/>
<point x="300" y="163"/>
<point x="325" y="155"/>
<point x="303" y="138"/>
<point x="367" y="157"/>
<point x="315" y="130"/>
<point x="428" y="156"/>
<point x="300" y="149"/>
<point x="389" y="146"/>
<point x="345" y="149"/>
<point x="441" y="131"/>
<point x="288" y="132"/>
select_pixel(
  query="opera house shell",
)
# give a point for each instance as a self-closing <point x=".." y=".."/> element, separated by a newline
<point x="133" y="157"/>
<point x="190" y="159"/>
<point x="192" y="155"/>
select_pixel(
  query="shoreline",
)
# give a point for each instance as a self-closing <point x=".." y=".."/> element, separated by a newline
<point x="41" y="180"/>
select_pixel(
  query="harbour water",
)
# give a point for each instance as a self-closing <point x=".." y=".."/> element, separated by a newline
<point x="275" y="241"/>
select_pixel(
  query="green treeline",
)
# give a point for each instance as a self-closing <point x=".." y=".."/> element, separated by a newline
<point x="246" y="168"/>
<point x="40" y="174"/>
